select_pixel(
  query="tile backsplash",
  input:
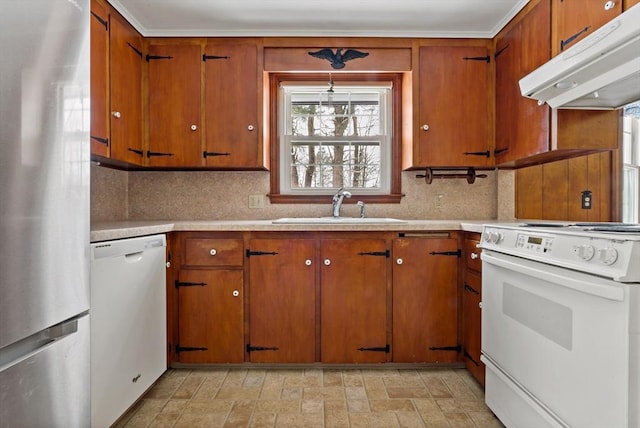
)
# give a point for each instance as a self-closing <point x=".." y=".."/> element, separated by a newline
<point x="220" y="195"/>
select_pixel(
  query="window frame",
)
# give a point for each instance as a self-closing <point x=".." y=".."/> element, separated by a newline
<point x="630" y="201"/>
<point x="276" y="79"/>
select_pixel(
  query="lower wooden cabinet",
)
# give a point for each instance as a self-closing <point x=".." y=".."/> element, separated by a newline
<point x="307" y="297"/>
<point x="353" y="319"/>
<point x="471" y="321"/>
<point x="471" y="310"/>
<point x="208" y="286"/>
<point x="210" y="316"/>
<point x="425" y="299"/>
<point x="282" y="301"/>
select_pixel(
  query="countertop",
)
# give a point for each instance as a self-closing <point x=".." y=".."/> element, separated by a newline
<point x="105" y="231"/>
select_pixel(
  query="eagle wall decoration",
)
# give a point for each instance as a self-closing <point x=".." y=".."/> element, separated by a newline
<point x="338" y="59"/>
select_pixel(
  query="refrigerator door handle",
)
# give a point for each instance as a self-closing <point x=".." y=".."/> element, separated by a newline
<point x="16" y="352"/>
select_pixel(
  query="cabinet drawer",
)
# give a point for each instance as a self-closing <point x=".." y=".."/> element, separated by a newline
<point x="472" y="255"/>
<point x="213" y="252"/>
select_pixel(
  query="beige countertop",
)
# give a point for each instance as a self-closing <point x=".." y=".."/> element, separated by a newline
<point x="126" y="229"/>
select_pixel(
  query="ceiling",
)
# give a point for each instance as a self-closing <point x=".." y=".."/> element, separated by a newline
<point x="358" y="18"/>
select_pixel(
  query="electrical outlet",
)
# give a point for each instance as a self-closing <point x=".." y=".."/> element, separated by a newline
<point x="256" y="201"/>
<point x="438" y="201"/>
<point x="587" y="200"/>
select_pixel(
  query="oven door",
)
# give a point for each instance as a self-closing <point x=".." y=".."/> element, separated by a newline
<point x="556" y="345"/>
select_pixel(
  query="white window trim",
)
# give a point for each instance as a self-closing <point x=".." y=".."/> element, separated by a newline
<point x="631" y="167"/>
<point x="386" y="125"/>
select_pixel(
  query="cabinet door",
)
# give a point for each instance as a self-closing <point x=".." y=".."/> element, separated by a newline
<point x="354" y="301"/>
<point x="425" y="300"/>
<point x="99" y="79"/>
<point x="174" y="105"/>
<point x="522" y="126"/>
<point x="282" y="308"/>
<point x="210" y="316"/>
<point x="472" y="252"/>
<point x="576" y="19"/>
<point x="126" y="92"/>
<point x="454" y="90"/>
<point x="231" y="106"/>
<point x="471" y="321"/>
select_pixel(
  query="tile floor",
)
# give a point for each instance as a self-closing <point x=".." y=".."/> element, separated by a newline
<point x="308" y="398"/>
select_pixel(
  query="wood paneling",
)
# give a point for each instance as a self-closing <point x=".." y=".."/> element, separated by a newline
<point x="298" y="59"/>
<point x="586" y="129"/>
<point x="555" y="178"/>
<point x="529" y="193"/>
<point x="553" y="191"/>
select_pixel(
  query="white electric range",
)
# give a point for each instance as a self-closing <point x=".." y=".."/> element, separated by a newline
<point x="560" y="324"/>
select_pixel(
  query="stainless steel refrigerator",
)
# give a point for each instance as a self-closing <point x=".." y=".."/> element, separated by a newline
<point x="44" y="213"/>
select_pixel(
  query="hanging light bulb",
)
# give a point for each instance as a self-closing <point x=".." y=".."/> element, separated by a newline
<point x="330" y="91"/>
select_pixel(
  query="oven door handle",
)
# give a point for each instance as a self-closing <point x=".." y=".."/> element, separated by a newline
<point x="529" y="268"/>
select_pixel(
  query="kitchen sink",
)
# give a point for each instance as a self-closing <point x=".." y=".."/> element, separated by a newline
<point x="338" y="220"/>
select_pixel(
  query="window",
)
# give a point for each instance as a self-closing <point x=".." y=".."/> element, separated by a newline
<point x="631" y="164"/>
<point x="335" y="133"/>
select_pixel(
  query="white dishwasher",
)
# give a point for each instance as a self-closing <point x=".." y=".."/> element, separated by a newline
<point x="128" y="323"/>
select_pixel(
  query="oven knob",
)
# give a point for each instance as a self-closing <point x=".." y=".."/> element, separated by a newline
<point x="585" y="252"/>
<point x="607" y="255"/>
<point x="493" y="237"/>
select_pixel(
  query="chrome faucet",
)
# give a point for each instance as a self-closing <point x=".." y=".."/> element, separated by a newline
<point x="337" y="200"/>
<point x="360" y="204"/>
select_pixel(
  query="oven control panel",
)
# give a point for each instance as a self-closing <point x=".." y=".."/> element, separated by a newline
<point x="536" y="244"/>
<point x="603" y="254"/>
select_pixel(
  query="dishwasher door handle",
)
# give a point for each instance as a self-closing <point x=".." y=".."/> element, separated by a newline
<point x="134" y="257"/>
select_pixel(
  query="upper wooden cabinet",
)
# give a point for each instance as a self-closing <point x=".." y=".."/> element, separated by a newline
<point x="628" y="3"/>
<point x="125" y="45"/>
<point x="522" y="126"/>
<point x="175" y="123"/>
<point x="204" y="105"/>
<point x="528" y="133"/>
<point x="454" y="107"/>
<point x="576" y="19"/>
<point x="99" y="79"/>
<point x="231" y="100"/>
<point x="116" y="87"/>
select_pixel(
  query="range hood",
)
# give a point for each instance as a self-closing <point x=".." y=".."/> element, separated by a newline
<point x="601" y="72"/>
